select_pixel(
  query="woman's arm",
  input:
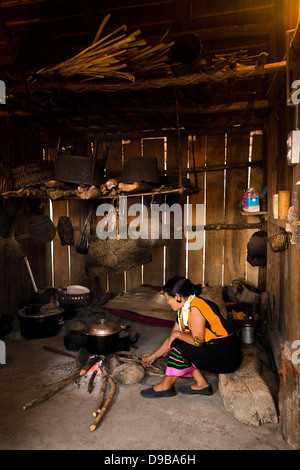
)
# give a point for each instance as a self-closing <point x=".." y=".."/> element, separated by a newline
<point x="163" y="349"/>
<point x="197" y="328"/>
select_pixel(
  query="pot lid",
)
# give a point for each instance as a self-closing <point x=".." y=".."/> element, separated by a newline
<point x="40" y="313"/>
<point x="102" y="328"/>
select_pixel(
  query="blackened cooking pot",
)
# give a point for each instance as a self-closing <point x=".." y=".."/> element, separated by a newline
<point x="106" y="337"/>
<point x="40" y="322"/>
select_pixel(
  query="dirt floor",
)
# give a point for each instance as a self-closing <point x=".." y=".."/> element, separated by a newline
<point x="132" y="422"/>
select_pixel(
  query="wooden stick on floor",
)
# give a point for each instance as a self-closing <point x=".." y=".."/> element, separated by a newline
<point x="102" y="392"/>
<point x="66" y="381"/>
<point x="106" y="405"/>
<point x="52" y="392"/>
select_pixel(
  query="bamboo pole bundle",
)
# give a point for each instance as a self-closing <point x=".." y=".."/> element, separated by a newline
<point x="116" y="55"/>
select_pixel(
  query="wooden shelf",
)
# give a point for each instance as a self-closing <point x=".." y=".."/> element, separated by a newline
<point x="254" y="213"/>
<point x="14" y="194"/>
<point x="279" y="222"/>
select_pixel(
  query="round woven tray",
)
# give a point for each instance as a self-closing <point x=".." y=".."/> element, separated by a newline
<point x="74" y="295"/>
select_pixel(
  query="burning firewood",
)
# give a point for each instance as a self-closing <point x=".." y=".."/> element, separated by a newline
<point x="84" y="364"/>
<point x="91" y="381"/>
<point x="89" y="364"/>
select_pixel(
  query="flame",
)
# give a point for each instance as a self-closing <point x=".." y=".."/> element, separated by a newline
<point x="95" y="367"/>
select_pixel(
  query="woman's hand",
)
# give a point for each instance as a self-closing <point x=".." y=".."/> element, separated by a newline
<point x="163" y="349"/>
<point x="148" y="360"/>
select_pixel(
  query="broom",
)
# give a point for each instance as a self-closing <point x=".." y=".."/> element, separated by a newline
<point x="13" y="254"/>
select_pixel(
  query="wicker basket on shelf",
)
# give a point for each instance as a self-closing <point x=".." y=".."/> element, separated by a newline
<point x="32" y="173"/>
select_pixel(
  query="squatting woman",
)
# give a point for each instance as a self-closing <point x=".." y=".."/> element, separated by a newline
<point x="201" y="340"/>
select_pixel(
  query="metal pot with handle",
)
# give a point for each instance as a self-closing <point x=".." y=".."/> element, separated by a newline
<point x="106" y="337"/>
<point x="102" y="337"/>
<point x="40" y="322"/>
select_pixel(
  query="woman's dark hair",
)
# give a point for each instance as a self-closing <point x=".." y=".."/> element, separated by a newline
<point x="182" y="286"/>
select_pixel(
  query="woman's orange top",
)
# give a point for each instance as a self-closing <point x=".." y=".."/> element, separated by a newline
<point x="215" y="324"/>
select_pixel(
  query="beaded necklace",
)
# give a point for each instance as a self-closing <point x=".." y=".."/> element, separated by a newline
<point x="183" y="314"/>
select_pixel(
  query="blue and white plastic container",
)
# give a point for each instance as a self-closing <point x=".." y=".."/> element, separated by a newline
<point x="252" y="201"/>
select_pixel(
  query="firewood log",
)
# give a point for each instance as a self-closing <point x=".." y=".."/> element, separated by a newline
<point x="52" y="392"/>
<point x="106" y="405"/>
<point x="58" y="351"/>
<point x="61" y="379"/>
<point x="102" y="392"/>
<point x="88" y="365"/>
<point x="91" y="382"/>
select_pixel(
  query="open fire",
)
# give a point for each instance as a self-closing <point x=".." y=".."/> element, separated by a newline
<point x="86" y="364"/>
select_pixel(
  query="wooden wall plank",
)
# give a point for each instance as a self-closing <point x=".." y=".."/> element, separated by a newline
<point x="235" y="241"/>
<point x="78" y="211"/>
<point x="114" y="159"/>
<point x="256" y="181"/>
<point x="132" y="148"/>
<point x="153" y="273"/>
<point x="133" y="277"/>
<point x="195" y="257"/>
<point x="15" y="282"/>
<point x="61" y="273"/>
<point x="272" y="277"/>
<point x="214" y="210"/>
<point x="176" y="250"/>
<point x="154" y="148"/>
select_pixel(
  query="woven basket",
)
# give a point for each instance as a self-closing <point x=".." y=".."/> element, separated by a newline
<point x="65" y="230"/>
<point x="115" y="256"/>
<point x="27" y="175"/>
<point x="79" y="169"/>
<point x="74" y="295"/>
<point x="278" y="241"/>
<point x="141" y="169"/>
<point x="41" y="229"/>
<point x="5" y="180"/>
